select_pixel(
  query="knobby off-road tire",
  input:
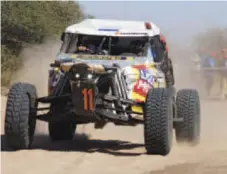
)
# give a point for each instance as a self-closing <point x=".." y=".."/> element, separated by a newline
<point x="158" y="122"/>
<point x="188" y="108"/>
<point x="60" y="131"/>
<point x="20" y="118"/>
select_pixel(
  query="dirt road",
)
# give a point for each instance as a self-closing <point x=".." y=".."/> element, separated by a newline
<point x="120" y="150"/>
<point x="112" y="150"/>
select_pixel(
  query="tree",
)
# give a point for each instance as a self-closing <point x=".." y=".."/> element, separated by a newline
<point x="29" y="22"/>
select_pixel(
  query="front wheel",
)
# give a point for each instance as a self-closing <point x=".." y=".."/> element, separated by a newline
<point x="158" y="122"/>
<point x="20" y="118"/>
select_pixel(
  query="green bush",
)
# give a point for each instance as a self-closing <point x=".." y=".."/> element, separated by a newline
<point x="9" y="65"/>
<point x="30" y="22"/>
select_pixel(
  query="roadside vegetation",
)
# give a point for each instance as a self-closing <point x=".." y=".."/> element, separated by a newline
<point x="31" y="22"/>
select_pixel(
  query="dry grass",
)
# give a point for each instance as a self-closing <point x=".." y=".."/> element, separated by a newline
<point x="9" y="65"/>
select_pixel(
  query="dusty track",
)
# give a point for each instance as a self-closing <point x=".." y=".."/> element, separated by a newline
<point x="120" y="149"/>
<point x="117" y="149"/>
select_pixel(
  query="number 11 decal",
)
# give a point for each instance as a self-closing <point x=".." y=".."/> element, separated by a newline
<point x="88" y="99"/>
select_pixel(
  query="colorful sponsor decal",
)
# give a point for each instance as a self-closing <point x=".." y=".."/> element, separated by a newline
<point x="100" y="57"/>
<point x="108" y="29"/>
<point x="147" y="74"/>
<point x="68" y="57"/>
<point x="141" y="87"/>
<point x="141" y="79"/>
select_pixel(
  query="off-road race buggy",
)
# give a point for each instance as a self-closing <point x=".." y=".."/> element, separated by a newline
<point x="113" y="84"/>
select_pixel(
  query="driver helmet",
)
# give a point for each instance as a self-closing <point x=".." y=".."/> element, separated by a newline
<point x="138" y="47"/>
<point x="91" y="48"/>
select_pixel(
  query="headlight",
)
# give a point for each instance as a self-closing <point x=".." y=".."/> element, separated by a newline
<point x="77" y="75"/>
<point x="81" y="72"/>
<point x="83" y="76"/>
<point x="89" y="76"/>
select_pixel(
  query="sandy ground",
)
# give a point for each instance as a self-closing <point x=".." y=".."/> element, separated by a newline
<point x="120" y="150"/>
<point x="114" y="149"/>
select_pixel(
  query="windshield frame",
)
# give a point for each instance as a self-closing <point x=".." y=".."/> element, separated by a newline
<point x="123" y="61"/>
<point x="70" y="38"/>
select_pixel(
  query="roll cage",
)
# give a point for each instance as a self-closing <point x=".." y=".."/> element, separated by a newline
<point x="116" y="46"/>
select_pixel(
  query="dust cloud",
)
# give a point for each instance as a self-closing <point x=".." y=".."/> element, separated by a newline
<point x="36" y="61"/>
<point x="210" y="156"/>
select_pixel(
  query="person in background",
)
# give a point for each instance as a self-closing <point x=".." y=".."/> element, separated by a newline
<point x="199" y="59"/>
<point x="224" y="54"/>
<point x="205" y="58"/>
<point x="223" y="72"/>
<point x="208" y="62"/>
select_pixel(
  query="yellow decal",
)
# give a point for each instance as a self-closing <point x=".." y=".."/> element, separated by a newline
<point x="73" y="56"/>
<point x="66" y="66"/>
<point x="100" y="57"/>
<point x="138" y="109"/>
<point x="56" y="70"/>
<point x="135" y="73"/>
<point x="135" y="96"/>
<point x="97" y="57"/>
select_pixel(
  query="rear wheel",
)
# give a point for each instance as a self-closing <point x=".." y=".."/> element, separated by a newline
<point x="158" y="122"/>
<point x="20" y="119"/>
<point x="188" y="108"/>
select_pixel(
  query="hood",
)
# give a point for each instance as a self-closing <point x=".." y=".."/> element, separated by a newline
<point x="92" y="67"/>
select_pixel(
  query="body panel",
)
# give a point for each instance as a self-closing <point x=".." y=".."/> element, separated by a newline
<point x="140" y="73"/>
<point x="141" y="78"/>
<point x="119" y="28"/>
